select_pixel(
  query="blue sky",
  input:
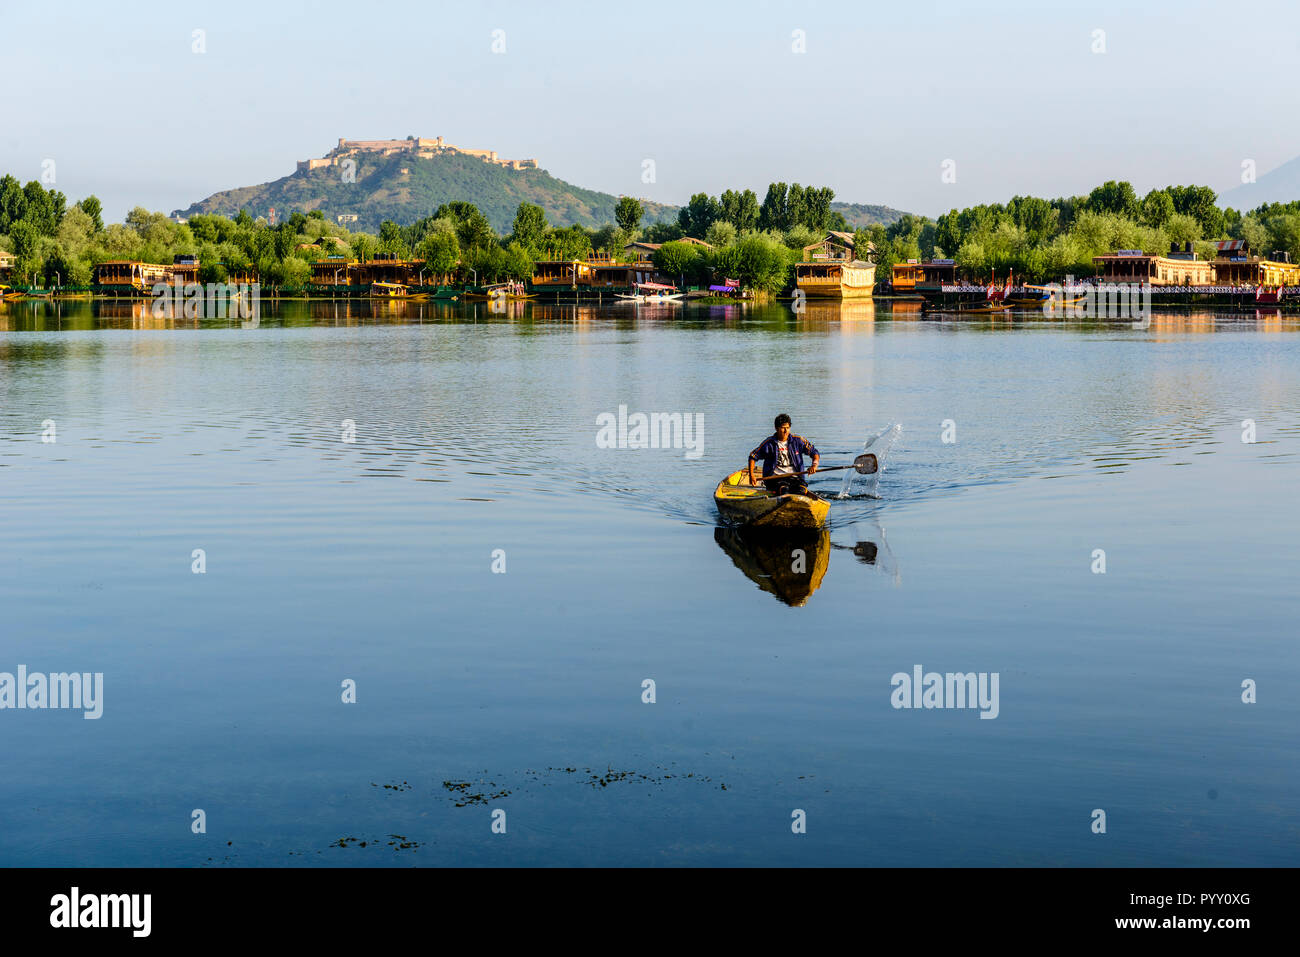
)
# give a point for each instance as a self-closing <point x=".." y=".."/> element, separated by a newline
<point x="713" y="93"/>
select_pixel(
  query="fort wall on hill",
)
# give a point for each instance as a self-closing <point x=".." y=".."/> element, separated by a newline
<point x="420" y="146"/>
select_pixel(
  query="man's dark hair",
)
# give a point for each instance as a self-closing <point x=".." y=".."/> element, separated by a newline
<point x="781" y="420"/>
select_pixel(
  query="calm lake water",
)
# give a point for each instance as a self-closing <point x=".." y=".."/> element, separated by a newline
<point x="371" y="561"/>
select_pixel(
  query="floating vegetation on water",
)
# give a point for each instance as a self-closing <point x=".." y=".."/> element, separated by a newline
<point x="461" y="789"/>
<point x="404" y="786"/>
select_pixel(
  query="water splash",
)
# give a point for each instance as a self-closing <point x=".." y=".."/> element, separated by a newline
<point x="879" y="444"/>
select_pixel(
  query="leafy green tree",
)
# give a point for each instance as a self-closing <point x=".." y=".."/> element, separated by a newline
<point x="799" y="236"/>
<point x="662" y="233"/>
<point x="363" y="246"/>
<point x="676" y="259"/>
<point x="74" y="233"/>
<point x="608" y="239"/>
<point x="518" y="262"/>
<point x="27" y="249"/>
<point x="40" y="212"/>
<point x="472" y="228"/>
<point x="815" y="208"/>
<point x="700" y="212"/>
<point x="764" y="263"/>
<point x="212" y="272"/>
<point x="92" y="207"/>
<point x="1037" y="217"/>
<point x="530" y="226"/>
<point x="1200" y="202"/>
<point x="571" y="243"/>
<point x="1114" y="197"/>
<point x="721" y="233"/>
<point x="286" y="240"/>
<point x="628" y="213"/>
<point x="294" y="272"/>
<point x="13" y="203"/>
<point x="1157" y="208"/>
<point x="1181" y="228"/>
<point x="775" y="211"/>
<point x="740" y="209"/>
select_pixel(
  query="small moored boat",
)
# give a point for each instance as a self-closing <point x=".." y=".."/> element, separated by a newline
<point x="757" y="507"/>
<point x="388" y="290"/>
<point x="652" y="292"/>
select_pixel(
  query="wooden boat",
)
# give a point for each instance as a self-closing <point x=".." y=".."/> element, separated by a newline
<point x="496" y="292"/>
<point x="831" y="279"/>
<point x="652" y="292"/>
<point x="767" y="559"/>
<point x="1038" y="297"/>
<point x="756" y="507"/>
<point x="388" y="290"/>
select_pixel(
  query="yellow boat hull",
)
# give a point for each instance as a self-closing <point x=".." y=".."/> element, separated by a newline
<point x="756" y="507"/>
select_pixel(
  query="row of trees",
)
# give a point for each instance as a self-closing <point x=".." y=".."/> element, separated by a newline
<point x="757" y="243"/>
<point x="783" y="208"/>
<point x="1050" y="239"/>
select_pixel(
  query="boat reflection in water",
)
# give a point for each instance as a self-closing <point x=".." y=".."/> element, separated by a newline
<point x="792" y="564"/>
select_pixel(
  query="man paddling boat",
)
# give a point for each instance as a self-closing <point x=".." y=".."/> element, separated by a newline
<point x="782" y="454"/>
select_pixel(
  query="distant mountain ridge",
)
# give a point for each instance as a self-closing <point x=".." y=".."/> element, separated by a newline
<point x="406" y="187"/>
<point x="860" y="214"/>
<point x="1280" y="185"/>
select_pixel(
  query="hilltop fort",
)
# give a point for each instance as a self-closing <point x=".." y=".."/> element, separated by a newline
<point x="423" y="147"/>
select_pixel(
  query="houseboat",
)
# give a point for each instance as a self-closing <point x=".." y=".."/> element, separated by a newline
<point x="1179" y="268"/>
<point x="1235" y="266"/>
<point x="555" y="275"/>
<point x="904" y="277"/>
<point x="130" y="276"/>
<point x="832" y="269"/>
<point x="836" y="280"/>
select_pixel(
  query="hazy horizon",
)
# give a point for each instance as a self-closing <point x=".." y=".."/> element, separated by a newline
<point x="717" y="98"/>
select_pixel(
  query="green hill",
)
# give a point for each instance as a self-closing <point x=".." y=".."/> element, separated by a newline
<point x="382" y="191"/>
<point x="861" y="214"/>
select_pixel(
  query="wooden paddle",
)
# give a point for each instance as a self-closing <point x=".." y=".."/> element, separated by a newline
<point x="865" y="464"/>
